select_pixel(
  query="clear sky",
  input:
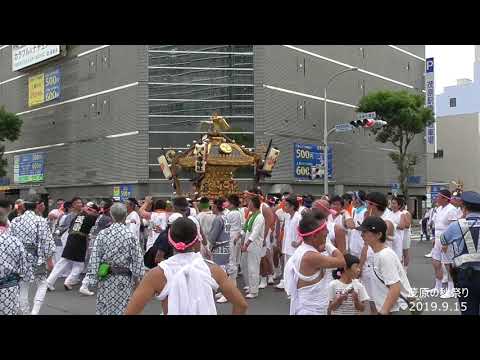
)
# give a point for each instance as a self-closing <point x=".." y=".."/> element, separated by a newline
<point x="452" y="62"/>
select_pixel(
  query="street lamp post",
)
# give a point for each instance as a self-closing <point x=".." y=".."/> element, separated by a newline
<point x="325" y="129"/>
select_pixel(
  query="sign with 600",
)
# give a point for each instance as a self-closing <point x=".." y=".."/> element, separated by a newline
<point x="308" y="155"/>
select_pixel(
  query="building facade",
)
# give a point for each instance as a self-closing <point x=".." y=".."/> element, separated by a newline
<point x="457" y="123"/>
<point x="458" y="151"/>
<point x="120" y="106"/>
<point x="461" y="98"/>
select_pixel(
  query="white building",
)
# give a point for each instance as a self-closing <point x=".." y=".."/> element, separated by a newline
<point x="463" y="98"/>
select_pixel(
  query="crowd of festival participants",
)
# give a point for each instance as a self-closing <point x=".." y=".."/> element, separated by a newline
<point x="344" y="255"/>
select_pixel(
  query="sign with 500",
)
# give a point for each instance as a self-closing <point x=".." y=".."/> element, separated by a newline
<point x="308" y="155"/>
<point x="43" y="87"/>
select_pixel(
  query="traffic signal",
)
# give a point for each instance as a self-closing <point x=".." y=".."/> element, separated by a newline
<point x="368" y="123"/>
<point x="357" y="123"/>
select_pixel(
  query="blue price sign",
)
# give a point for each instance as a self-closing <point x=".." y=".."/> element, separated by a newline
<point x="308" y="155"/>
<point x="52" y="85"/>
<point x="29" y="168"/>
<point x="125" y="192"/>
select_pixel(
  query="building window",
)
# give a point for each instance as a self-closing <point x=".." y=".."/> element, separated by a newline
<point x="453" y="102"/>
<point x="187" y="84"/>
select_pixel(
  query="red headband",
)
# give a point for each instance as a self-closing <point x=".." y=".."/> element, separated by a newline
<point x="320" y="228"/>
<point x="253" y="194"/>
<point x="318" y="204"/>
<point x="181" y="246"/>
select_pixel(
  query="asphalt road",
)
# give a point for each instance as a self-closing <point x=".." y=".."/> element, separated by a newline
<point x="269" y="302"/>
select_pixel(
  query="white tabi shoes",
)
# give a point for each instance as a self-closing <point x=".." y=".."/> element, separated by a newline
<point x="222" y="300"/>
<point x="67" y="287"/>
<point x="85" y="291"/>
<point x="251" y="296"/>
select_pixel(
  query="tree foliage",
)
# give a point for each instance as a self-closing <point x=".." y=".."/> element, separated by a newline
<point x="406" y="117"/>
<point x="10" y="125"/>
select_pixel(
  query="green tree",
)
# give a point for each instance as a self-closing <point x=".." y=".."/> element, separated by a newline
<point x="406" y="117"/>
<point x="10" y="125"/>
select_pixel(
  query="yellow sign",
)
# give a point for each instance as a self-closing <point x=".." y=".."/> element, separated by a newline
<point x="36" y="90"/>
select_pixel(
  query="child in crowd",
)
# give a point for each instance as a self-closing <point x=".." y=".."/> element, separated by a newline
<point x="347" y="295"/>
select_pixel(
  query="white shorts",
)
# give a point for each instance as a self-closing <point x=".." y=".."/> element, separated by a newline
<point x="439" y="255"/>
<point x="407" y="241"/>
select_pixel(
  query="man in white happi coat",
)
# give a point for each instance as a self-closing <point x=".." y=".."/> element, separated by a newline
<point x="291" y="241"/>
<point x="252" y="247"/>
<point x="269" y="220"/>
<point x="235" y="223"/>
<point x="133" y="219"/>
<point x="396" y="217"/>
<point x="305" y="272"/>
<point x="405" y="226"/>
<point x="444" y="216"/>
<point x="186" y="281"/>
<point x="33" y="231"/>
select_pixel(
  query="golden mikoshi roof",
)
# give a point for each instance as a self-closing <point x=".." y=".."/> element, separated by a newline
<point x="238" y="156"/>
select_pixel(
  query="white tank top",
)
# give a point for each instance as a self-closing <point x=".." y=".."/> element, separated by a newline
<point x="387" y="216"/>
<point x="189" y="286"/>
<point x="406" y="232"/>
<point x="397" y="245"/>
<point x="311" y="299"/>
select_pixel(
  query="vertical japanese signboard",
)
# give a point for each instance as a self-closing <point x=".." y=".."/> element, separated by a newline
<point x="36" y="90"/>
<point x="430" y="103"/>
